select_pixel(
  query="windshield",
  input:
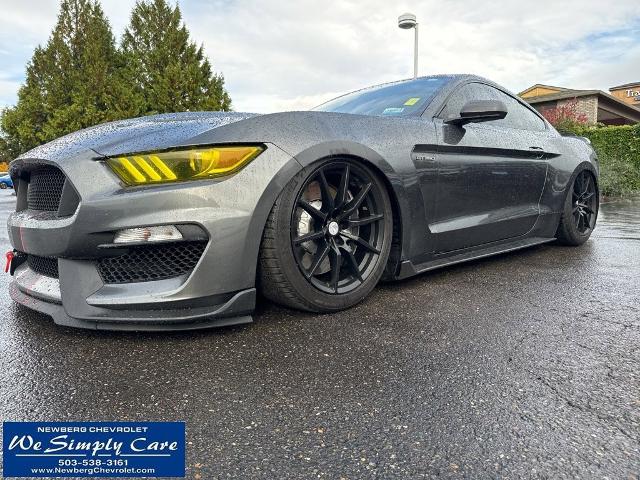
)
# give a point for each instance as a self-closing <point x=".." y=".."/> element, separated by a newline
<point x="409" y="97"/>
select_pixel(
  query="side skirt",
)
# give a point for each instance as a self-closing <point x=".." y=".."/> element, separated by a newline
<point x="408" y="269"/>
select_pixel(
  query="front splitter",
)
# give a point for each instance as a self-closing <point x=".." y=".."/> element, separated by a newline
<point x="218" y="316"/>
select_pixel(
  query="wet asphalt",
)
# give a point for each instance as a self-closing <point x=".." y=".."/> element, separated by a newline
<point x="525" y="365"/>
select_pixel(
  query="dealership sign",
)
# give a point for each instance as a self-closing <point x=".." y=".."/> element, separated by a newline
<point x="635" y="94"/>
<point x="93" y="449"/>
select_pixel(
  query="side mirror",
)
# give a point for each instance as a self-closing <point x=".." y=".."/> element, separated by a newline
<point x="479" y="111"/>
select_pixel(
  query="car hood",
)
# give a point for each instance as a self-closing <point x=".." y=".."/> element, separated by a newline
<point x="136" y="134"/>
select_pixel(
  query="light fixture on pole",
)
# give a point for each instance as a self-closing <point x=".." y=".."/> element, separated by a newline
<point x="407" y="21"/>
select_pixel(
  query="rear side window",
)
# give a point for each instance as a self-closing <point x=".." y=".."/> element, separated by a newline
<point x="518" y="116"/>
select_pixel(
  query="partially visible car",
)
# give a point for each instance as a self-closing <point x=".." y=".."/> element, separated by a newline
<point x="177" y="221"/>
<point x="5" y="182"/>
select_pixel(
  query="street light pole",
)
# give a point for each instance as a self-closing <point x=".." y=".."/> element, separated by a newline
<point x="415" y="53"/>
<point x="407" y="21"/>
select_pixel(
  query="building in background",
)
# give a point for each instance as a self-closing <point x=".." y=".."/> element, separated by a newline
<point x="597" y="106"/>
<point x="628" y="93"/>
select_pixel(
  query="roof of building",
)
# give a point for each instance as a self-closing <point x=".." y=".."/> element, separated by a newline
<point x="524" y="93"/>
<point x="567" y="93"/>
<point x="626" y="85"/>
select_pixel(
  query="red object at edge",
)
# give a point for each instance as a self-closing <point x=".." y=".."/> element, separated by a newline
<point x="9" y="256"/>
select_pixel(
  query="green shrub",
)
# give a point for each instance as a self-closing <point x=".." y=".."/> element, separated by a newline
<point x="618" y="150"/>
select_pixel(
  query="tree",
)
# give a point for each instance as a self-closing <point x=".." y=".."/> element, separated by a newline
<point x="73" y="82"/>
<point x="166" y="68"/>
<point x="23" y="124"/>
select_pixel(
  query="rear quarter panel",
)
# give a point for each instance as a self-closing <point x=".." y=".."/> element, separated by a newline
<point x="576" y="154"/>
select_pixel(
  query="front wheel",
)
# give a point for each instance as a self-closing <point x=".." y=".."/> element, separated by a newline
<point x="580" y="211"/>
<point x="3" y="186"/>
<point x="327" y="238"/>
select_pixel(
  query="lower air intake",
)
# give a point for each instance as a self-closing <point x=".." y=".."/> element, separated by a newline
<point x="151" y="262"/>
<point x="46" y="266"/>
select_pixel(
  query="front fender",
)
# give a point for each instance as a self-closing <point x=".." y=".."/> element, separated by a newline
<point x="398" y="192"/>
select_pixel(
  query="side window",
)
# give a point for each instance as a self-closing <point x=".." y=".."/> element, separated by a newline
<point x="518" y="116"/>
<point x="466" y="93"/>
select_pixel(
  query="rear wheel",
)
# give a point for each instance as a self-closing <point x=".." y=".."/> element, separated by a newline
<point x="580" y="211"/>
<point x="3" y="186"/>
<point x="328" y="237"/>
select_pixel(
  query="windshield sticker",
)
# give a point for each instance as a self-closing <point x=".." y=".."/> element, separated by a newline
<point x="412" y="101"/>
<point x="392" y="111"/>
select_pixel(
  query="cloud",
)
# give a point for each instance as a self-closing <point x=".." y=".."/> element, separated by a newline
<point x="26" y="24"/>
<point x="279" y="55"/>
<point x="294" y="50"/>
<point x="8" y="91"/>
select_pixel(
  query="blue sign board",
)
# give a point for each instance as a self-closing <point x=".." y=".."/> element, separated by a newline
<point x="93" y="449"/>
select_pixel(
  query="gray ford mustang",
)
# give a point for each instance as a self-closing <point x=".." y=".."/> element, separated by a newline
<point x="177" y="221"/>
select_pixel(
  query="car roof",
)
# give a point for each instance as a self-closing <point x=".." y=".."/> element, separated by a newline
<point x="454" y="77"/>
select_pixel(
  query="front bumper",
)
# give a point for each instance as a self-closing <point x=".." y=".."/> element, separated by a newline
<point x="219" y="291"/>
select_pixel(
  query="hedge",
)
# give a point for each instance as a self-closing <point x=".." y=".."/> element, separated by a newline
<point x="618" y="151"/>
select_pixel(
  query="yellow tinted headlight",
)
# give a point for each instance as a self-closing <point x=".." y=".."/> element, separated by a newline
<point x="182" y="165"/>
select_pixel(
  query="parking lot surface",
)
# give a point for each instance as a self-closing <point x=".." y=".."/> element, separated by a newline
<point x="525" y="365"/>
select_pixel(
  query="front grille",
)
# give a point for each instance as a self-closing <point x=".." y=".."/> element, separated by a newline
<point x="153" y="262"/>
<point x="45" y="189"/>
<point x="46" y="266"/>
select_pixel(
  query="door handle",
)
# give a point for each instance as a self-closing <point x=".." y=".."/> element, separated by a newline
<point x="539" y="150"/>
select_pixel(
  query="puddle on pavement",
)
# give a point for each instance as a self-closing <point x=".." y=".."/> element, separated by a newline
<point x="619" y="219"/>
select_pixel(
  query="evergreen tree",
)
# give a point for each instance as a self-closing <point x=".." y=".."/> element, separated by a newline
<point x="73" y="82"/>
<point x="168" y="70"/>
<point x="23" y="124"/>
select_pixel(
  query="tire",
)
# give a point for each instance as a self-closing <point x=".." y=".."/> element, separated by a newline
<point x="580" y="210"/>
<point x="3" y="186"/>
<point x="326" y="221"/>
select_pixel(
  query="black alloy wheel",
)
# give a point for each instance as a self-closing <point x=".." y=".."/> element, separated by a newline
<point x="340" y="229"/>
<point x="584" y="202"/>
<point x="580" y="210"/>
<point x="328" y="237"/>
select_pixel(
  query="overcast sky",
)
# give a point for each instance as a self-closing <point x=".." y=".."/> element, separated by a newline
<point x="294" y="54"/>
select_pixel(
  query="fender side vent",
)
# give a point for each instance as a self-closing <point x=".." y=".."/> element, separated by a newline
<point x="45" y="189"/>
